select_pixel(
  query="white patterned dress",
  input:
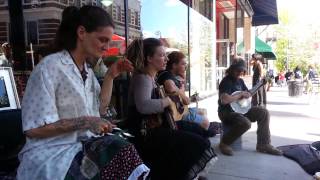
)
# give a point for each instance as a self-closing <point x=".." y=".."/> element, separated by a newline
<point x="55" y="90"/>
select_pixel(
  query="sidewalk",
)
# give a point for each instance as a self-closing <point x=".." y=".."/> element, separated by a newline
<point x="294" y="120"/>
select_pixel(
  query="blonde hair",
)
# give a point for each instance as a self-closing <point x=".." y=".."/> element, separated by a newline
<point x="135" y="54"/>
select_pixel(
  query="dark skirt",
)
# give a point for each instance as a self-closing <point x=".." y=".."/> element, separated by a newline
<point x="107" y="157"/>
<point x="174" y="154"/>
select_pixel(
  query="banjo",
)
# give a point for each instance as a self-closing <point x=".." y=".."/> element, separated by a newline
<point x="243" y="105"/>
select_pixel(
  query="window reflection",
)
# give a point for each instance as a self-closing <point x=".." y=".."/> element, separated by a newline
<point x="168" y="20"/>
<point x="201" y="54"/>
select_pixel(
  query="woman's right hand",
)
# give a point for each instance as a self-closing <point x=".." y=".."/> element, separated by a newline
<point x="245" y="94"/>
<point x="97" y="125"/>
<point x="118" y="67"/>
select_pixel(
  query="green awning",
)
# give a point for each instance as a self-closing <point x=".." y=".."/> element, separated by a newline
<point x="264" y="49"/>
<point x="261" y="47"/>
<point x="240" y="48"/>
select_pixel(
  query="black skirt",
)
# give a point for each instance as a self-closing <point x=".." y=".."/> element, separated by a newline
<point x="174" y="154"/>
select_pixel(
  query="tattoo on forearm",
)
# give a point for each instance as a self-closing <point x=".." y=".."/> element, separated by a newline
<point x="81" y="123"/>
<point x="71" y="124"/>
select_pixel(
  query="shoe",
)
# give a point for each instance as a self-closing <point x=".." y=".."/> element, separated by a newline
<point x="269" y="149"/>
<point x="225" y="149"/>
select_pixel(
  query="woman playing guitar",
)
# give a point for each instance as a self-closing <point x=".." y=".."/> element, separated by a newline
<point x="173" y="80"/>
<point x="239" y="123"/>
<point x="170" y="153"/>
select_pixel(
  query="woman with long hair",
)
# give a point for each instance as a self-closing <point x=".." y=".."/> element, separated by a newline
<point x="170" y="153"/>
<point x="62" y="105"/>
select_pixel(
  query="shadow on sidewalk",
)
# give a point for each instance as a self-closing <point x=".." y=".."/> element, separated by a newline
<point x="285" y="103"/>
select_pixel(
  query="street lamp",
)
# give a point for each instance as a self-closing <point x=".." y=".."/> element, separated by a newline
<point x="106" y="2"/>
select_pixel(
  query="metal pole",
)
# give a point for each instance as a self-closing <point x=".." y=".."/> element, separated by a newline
<point x="32" y="56"/>
<point x="235" y="26"/>
<point x="125" y="2"/>
<point x="17" y="37"/>
<point x="189" y="61"/>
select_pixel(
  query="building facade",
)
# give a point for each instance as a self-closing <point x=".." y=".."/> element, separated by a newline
<point x="42" y="18"/>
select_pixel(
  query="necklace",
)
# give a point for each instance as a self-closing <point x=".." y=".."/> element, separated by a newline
<point x="83" y="72"/>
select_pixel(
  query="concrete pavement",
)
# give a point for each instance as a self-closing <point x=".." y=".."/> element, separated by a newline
<point x="294" y="120"/>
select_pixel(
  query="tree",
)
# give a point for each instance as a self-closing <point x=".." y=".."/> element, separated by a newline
<point x="291" y="49"/>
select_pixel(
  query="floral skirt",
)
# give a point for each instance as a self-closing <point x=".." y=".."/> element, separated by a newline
<point x="107" y="157"/>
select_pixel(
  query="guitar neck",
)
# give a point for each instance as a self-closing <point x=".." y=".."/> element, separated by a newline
<point x="202" y="98"/>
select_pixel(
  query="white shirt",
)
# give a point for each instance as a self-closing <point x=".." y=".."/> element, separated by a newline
<point x="55" y="91"/>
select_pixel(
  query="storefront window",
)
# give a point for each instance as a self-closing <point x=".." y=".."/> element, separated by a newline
<point x="240" y="25"/>
<point x="167" y="20"/>
<point x="202" y="53"/>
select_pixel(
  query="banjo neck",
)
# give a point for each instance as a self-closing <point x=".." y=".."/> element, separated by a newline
<point x="256" y="87"/>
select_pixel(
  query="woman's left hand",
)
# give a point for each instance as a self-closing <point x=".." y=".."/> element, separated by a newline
<point x="119" y="67"/>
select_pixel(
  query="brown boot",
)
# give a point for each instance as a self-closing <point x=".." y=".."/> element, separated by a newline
<point x="269" y="149"/>
<point x="225" y="149"/>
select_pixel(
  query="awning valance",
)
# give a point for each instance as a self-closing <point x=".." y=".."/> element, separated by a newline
<point x="264" y="49"/>
<point x="265" y="12"/>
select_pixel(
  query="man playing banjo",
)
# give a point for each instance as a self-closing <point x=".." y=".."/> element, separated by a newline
<point x="236" y="112"/>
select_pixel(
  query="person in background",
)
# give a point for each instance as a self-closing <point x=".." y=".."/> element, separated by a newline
<point x="61" y="108"/>
<point x="100" y="69"/>
<point x="288" y="75"/>
<point x="309" y="78"/>
<point x="311" y="73"/>
<point x="240" y="123"/>
<point x="6" y="57"/>
<point x="297" y="73"/>
<point x="270" y="77"/>
<point x="260" y="98"/>
<point x="282" y="79"/>
<point x="170" y="153"/>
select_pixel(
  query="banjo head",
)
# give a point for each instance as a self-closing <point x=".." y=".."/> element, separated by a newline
<point x="241" y="106"/>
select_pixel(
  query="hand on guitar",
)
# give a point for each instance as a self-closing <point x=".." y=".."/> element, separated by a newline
<point x="195" y="97"/>
<point x="167" y="102"/>
<point x="245" y="94"/>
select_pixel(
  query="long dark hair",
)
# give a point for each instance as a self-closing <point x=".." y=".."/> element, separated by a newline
<point x="90" y="17"/>
<point x="139" y="51"/>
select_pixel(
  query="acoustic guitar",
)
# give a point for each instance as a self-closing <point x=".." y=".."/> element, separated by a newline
<point x="178" y="109"/>
<point x="168" y="111"/>
<point x="243" y="105"/>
